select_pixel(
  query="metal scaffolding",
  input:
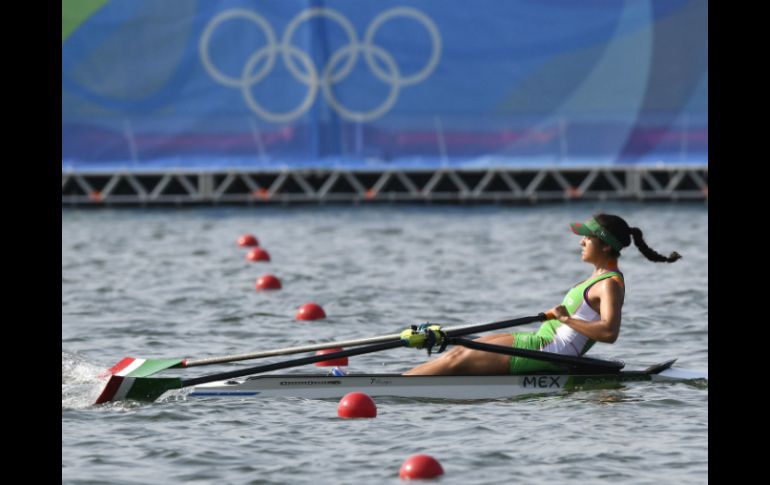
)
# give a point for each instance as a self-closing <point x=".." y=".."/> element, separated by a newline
<point x="493" y="185"/>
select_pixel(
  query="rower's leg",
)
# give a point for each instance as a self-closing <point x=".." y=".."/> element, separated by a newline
<point x="461" y="360"/>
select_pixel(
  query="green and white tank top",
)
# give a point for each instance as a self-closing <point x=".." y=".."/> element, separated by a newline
<point x="564" y="339"/>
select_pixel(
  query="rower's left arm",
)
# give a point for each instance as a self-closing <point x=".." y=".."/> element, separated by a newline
<point x="607" y="329"/>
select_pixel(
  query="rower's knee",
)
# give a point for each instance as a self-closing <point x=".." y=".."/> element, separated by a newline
<point x="457" y="358"/>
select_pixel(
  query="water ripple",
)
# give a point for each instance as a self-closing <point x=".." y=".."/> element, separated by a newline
<point x="173" y="283"/>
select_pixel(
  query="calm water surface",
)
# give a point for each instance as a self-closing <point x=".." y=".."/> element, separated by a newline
<point x="172" y="283"/>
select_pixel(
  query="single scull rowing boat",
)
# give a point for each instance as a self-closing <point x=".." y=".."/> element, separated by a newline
<point x="127" y="383"/>
<point x="314" y="386"/>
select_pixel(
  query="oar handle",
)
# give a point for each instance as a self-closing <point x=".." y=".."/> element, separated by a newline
<point x="460" y="332"/>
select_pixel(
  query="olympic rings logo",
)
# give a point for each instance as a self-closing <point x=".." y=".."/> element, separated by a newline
<point x="347" y="56"/>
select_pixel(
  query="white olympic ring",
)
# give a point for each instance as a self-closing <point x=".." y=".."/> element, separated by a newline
<point x="266" y="55"/>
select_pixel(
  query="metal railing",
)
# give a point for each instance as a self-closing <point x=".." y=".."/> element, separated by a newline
<point x="349" y="186"/>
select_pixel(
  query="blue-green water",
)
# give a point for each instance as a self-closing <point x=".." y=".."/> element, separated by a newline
<point x="173" y="283"/>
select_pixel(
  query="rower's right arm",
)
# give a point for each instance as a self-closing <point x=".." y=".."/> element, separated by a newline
<point x="555" y="312"/>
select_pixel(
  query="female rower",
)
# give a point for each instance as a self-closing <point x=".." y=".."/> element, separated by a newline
<point x="590" y="311"/>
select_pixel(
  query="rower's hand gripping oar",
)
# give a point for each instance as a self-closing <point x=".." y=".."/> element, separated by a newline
<point x="120" y="388"/>
<point x="427" y="336"/>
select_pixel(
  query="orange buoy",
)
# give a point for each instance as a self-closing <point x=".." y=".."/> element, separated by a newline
<point x="247" y="240"/>
<point x="419" y="467"/>
<point x="310" y="311"/>
<point x="356" y="405"/>
<point x="258" y="254"/>
<point x="332" y="362"/>
<point x="268" y="282"/>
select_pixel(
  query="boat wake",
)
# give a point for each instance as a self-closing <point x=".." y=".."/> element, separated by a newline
<point x="80" y="381"/>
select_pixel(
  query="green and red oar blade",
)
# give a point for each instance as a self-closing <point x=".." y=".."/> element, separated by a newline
<point x="121" y="388"/>
<point x="133" y="367"/>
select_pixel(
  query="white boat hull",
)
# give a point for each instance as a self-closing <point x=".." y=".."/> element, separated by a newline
<point x="441" y="387"/>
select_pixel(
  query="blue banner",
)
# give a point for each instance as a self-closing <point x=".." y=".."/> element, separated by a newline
<point x="374" y="84"/>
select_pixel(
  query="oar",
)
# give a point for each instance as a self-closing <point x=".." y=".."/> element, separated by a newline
<point x="150" y="388"/>
<point x="580" y="363"/>
<point x="120" y="388"/>
<point x="137" y="367"/>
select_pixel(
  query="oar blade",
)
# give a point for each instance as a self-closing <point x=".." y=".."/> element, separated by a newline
<point x="129" y="381"/>
<point x="133" y="367"/>
<point x="122" y="388"/>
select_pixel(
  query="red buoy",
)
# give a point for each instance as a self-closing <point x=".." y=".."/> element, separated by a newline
<point x="310" y="311"/>
<point x="356" y="405"/>
<point x="247" y="240"/>
<point x="258" y="254"/>
<point x="419" y="467"/>
<point x="268" y="282"/>
<point x="332" y="362"/>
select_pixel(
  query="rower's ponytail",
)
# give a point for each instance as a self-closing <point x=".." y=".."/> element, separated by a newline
<point x="623" y="233"/>
<point x="648" y="252"/>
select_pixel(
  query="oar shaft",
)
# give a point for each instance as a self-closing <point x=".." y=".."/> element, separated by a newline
<point x="291" y="350"/>
<point x="351" y="352"/>
<point x="581" y="362"/>
<point x="290" y="363"/>
<point x="459" y="332"/>
<point x="456" y="331"/>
